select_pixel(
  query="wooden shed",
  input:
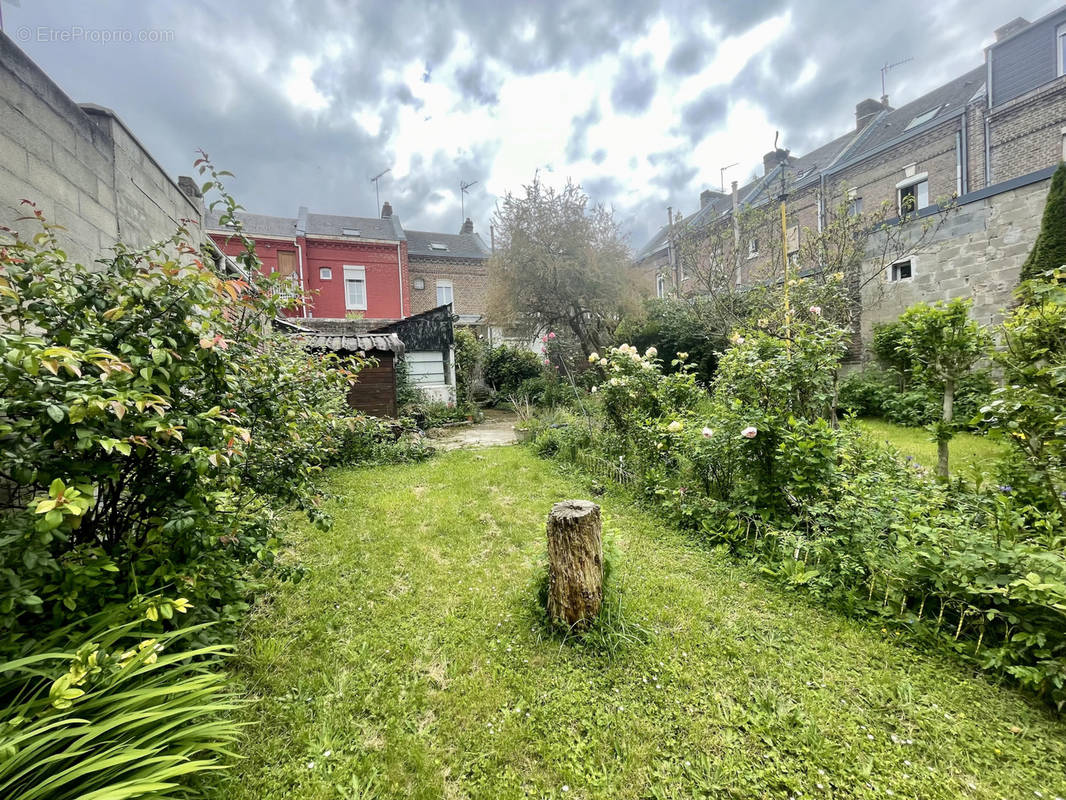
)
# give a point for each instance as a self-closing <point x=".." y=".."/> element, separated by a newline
<point x="375" y="391"/>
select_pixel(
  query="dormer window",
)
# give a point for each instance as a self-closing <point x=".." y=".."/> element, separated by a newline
<point x="922" y="118"/>
<point x="350" y="231"/>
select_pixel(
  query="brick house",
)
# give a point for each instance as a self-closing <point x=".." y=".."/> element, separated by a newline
<point x="989" y="140"/>
<point x="450" y="268"/>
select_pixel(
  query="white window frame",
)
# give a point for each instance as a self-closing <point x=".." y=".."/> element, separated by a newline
<point x="892" y="269"/>
<point x="354" y="274"/>
<point x="445" y="284"/>
<point x="907" y="183"/>
<point x="660" y="286"/>
<point x="419" y="284"/>
<point x="1060" y="46"/>
<point x="325" y="273"/>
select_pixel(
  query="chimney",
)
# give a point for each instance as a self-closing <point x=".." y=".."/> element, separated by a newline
<point x="1012" y="27"/>
<point x="705" y="197"/>
<point x="189" y="187"/>
<point x="386" y="210"/>
<point x="468" y="226"/>
<point x="772" y="159"/>
<point x="866" y="111"/>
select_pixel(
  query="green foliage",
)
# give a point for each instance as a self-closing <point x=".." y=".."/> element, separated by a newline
<point x="470" y="354"/>
<point x="118" y="712"/>
<point x="1049" y="250"/>
<point x="889" y="347"/>
<point x="506" y="368"/>
<point x="672" y="326"/>
<point x="1029" y="411"/>
<point x="761" y="467"/>
<point x="874" y="393"/>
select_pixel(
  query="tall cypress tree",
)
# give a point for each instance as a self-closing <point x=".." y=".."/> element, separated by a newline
<point x="1049" y="250"/>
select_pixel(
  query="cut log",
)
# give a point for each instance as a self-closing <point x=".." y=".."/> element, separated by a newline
<point x="575" y="563"/>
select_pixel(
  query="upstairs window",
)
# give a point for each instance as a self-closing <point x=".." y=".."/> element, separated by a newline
<point x="660" y="286"/>
<point x="854" y="202"/>
<point x="914" y="195"/>
<point x="1060" y="46"/>
<point x="902" y="271"/>
<point x="355" y="288"/>
<point x="444" y="293"/>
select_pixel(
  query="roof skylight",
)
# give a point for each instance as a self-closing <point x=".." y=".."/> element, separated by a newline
<point x="924" y="117"/>
<point x="350" y="231"/>
<point x="437" y="246"/>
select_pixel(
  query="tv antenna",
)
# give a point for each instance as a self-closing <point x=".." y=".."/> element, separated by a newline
<point x="721" y="174"/>
<point x="463" y="187"/>
<point x="375" y="180"/>
<point x="884" y="72"/>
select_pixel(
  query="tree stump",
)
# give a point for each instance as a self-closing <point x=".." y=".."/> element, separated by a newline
<point x="575" y="563"/>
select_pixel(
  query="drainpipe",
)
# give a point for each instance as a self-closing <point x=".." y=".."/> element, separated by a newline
<point x="399" y="273"/>
<point x="988" y="152"/>
<point x="303" y="279"/>
<point x="965" y="152"/>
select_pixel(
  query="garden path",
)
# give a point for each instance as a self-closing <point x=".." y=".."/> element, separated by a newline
<point x="496" y="429"/>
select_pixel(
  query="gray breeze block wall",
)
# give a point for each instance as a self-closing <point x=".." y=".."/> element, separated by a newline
<point x="977" y="253"/>
<point x="81" y="166"/>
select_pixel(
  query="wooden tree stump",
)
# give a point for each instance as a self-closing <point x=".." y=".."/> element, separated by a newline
<point x="575" y="563"/>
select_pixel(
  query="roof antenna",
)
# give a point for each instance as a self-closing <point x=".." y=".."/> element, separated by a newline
<point x="721" y="173"/>
<point x="377" y="195"/>
<point x="462" y="197"/>
<point x="884" y="71"/>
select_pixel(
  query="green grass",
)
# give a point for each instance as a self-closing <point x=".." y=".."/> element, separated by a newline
<point x="412" y="663"/>
<point x="970" y="455"/>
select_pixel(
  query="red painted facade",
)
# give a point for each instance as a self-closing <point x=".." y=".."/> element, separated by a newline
<point x="388" y="292"/>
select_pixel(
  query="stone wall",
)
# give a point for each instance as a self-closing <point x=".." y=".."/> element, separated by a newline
<point x="81" y="166"/>
<point x="977" y="253"/>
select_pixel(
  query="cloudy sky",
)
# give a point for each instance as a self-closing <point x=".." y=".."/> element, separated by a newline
<point x="642" y="103"/>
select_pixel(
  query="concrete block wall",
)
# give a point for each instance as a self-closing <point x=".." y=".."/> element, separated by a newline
<point x="977" y="253"/>
<point x="81" y="166"/>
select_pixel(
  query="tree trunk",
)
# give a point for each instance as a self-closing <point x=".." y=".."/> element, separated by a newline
<point x="575" y="563"/>
<point x="942" y="440"/>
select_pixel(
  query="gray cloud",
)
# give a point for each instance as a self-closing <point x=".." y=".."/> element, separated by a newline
<point x="689" y="56"/>
<point x="577" y="144"/>
<point x="634" y="87"/>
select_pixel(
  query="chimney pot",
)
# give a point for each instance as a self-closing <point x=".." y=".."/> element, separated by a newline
<point x="468" y="226"/>
<point x="386" y="210"/>
<point x="772" y="159"/>
<point x="866" y="111"/>
<point x="1015" y="25"/>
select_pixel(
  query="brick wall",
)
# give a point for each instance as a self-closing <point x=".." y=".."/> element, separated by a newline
<point x="470" y="284"/>
<point x="1026" y="133"/>
<point x="81" y="166"/>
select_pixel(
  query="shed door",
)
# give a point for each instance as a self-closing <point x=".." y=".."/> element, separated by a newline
<point x="426" y="368"/>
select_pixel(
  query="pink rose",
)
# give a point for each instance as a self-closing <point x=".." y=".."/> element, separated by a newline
<point x="547" y="362"/>
<point x="816" y="310"/>
<point x="750" y="432"/>
<point x="551" y="335"/>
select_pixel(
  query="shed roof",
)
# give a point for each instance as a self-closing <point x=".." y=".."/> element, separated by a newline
<point x="355" y="343"/>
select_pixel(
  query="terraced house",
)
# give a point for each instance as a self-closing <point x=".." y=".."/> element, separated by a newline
<point x="988" y="141"/>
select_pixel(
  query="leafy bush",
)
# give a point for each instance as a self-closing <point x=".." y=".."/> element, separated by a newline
<point x="507" y="367"/>
<point x="124" y="714"/>
<point x="761" y="467"/>
<point x="873" y="393"/>
<point x="673" y="326"/>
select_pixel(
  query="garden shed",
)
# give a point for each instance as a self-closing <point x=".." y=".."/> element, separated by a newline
<point x="375" y="391"/>
<point x="429" y="340"/>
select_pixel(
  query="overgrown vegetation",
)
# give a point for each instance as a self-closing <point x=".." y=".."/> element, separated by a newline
<point x="154" y="433"/>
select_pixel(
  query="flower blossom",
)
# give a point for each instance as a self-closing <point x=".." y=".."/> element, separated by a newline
<point x="547" y="362"/>
<point x="674" y="426"/>
<point x="682" y="356"/>
<point x="603" y="362"/>
<point x="750" y="432"/>
<point x="816" y="310"/>
<point x="551" y="334"/>
<point x="594" y="388"/>
<point x="651" y="352"/>
<point x="707" y="433"/>
<point x="594" y="357"/>
<point x="736" y="338"/>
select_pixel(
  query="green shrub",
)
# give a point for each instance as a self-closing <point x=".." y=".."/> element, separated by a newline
<point x="693" y="327"/>
<point x="864" y="393"/>
<point x="121" y="714"/>
<point x="507" y="367"/>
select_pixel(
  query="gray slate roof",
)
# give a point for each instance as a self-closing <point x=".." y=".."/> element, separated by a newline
<point x="388" y="229"/>
<point x="460" y="245"/>
<point x="260" y="224"/>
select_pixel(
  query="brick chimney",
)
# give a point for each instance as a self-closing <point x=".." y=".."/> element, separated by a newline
<point x="772" y="159"/>
<point x="386" y="210"/>
<point x="189" y="187"/>
<point x="1015" y="25"/>
<point x="866" y="111"/>
<point x="468" y="226"/>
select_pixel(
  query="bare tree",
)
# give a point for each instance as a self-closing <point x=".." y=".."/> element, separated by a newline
<point x="560" y="263"/>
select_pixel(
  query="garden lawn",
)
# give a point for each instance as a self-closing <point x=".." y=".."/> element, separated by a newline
<point x="412" y="662"/>
<point x="970" y="455"/>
